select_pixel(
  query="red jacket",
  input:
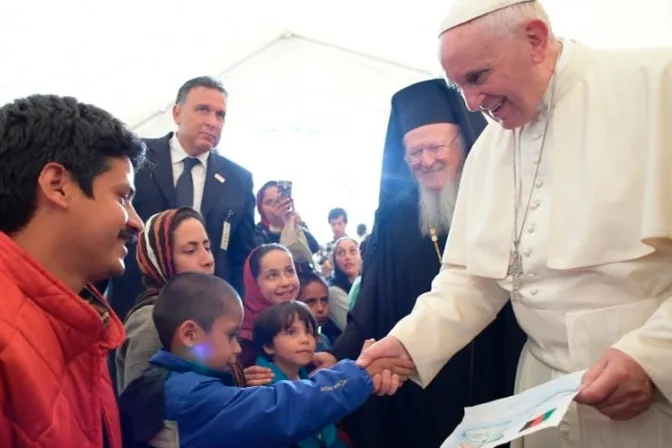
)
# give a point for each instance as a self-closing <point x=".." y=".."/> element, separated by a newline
<point x="55" y="387"/>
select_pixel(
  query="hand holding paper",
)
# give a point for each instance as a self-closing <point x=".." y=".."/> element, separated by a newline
<point x="617" y="386"/>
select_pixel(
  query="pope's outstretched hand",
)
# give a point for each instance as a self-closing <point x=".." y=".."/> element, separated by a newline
<point x="388" y="347"/>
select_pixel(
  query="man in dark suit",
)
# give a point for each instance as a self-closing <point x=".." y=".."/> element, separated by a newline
<point x="184" y="169"/>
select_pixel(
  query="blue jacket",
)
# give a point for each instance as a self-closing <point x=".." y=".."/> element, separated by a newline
<point x="211" y="412"/>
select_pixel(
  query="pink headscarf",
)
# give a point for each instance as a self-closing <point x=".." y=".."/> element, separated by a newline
<point x="253" y="302"/>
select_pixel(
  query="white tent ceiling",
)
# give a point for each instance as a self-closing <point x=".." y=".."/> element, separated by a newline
<point x="130" y="56"/>
<point x="320" y="97"/>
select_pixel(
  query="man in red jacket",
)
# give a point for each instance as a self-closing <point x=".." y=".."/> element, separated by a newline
<point x="66" y="184"/>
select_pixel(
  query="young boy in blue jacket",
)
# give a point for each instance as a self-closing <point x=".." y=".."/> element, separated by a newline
<point x="187" y="397"/>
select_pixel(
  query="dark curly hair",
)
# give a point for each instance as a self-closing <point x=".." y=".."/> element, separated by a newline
<point x="43" y="129"/>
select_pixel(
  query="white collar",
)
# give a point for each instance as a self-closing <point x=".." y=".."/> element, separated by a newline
<point x="178" y="154"/>
<point x="563" y="62"/>
<point x="567" y="47"/>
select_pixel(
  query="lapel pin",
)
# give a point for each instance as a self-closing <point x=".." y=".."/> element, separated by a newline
<point x="219" y="178"/>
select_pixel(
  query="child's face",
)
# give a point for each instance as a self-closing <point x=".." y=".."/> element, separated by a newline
<point x="294" y="346"/>
<point x="218" y="348"/>
<point x="316" y="296"/>
<point x="277" y="278"/>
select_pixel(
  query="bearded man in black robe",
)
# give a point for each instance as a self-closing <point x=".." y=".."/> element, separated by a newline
<point x="429" y="136"/>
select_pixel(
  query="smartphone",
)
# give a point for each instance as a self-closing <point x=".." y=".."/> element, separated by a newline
<point x="285" y="188"/>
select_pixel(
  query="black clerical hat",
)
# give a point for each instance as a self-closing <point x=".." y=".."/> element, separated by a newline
<point x="422" y="103"/>
<point x="427" y="102"/>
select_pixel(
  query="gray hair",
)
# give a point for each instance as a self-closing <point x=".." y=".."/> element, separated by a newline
<point x="507" y="21"/>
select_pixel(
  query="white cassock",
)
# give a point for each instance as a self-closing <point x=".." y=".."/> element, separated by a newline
<point x="596" y="246"/>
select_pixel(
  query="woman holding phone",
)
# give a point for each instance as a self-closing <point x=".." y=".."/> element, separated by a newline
<point x="276" y="209"/>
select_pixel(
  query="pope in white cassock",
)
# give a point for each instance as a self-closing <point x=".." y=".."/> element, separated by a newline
<point x="565" y="207"/>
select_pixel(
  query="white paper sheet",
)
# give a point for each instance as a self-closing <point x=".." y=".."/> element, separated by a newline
<point x="495" y="423"/>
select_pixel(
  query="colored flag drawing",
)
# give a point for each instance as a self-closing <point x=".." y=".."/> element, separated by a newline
<point x="490" y="425"/>
<point x="538" y="420"/>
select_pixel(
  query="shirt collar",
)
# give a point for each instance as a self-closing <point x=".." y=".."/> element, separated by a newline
<point x="178" y="154"/>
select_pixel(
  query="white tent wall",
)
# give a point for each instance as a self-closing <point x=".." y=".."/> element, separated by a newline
<point x="125" y="56"/>
<point x="313" y="114"/>
<point x="401" y="31"/>
<point x="613" y="23"/>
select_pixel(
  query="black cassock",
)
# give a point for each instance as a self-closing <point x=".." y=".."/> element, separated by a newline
<point x="400" y="266"/>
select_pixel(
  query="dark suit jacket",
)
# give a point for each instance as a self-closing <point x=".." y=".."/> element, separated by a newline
<point x="232" y="200"/>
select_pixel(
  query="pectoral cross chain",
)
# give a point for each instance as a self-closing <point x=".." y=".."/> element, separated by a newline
<point x="515" y="270"/>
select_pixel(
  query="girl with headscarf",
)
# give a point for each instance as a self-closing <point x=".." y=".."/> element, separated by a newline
<point x="269" y="277"/>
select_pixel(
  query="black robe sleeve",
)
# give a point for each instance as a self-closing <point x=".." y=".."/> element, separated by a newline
<point x="390" y="282"/>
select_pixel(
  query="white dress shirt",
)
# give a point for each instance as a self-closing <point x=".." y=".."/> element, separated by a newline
<point x="177" y="156"/>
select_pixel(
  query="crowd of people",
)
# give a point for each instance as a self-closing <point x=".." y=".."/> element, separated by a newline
<point x="524" y="232"/>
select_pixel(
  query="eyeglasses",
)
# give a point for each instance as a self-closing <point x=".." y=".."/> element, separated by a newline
<point x="414" y="155"/>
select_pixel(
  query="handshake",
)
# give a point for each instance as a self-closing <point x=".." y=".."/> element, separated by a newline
<point x="388" y="371"/>
<point x="387" y="361"/>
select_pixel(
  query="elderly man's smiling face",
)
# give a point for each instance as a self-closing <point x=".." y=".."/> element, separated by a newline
<point x="434" y="154"/>
<point x="500" y="73"/>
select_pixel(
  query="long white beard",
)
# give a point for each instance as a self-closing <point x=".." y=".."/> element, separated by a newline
<point x="437" y="207"/>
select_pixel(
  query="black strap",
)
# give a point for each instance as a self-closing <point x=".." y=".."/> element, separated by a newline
<point x="142" y="407"/>
<point x="106" y="438"/>
<point x="146" y="298"/>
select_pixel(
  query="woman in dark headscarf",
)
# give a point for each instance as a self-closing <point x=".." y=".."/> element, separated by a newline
<point x="429" y="136"/>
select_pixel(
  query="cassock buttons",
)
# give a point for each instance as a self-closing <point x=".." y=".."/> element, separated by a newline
<point x="530" y="229"/>
<point x="528" y="252"/>
<point x="539" y="183"/>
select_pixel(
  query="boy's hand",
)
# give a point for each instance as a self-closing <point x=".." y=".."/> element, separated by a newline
<point x="258" y="376"/>
<point x="387" y="373"/>
<point x="324" y="360"/>
<point x="402" y="367"/>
